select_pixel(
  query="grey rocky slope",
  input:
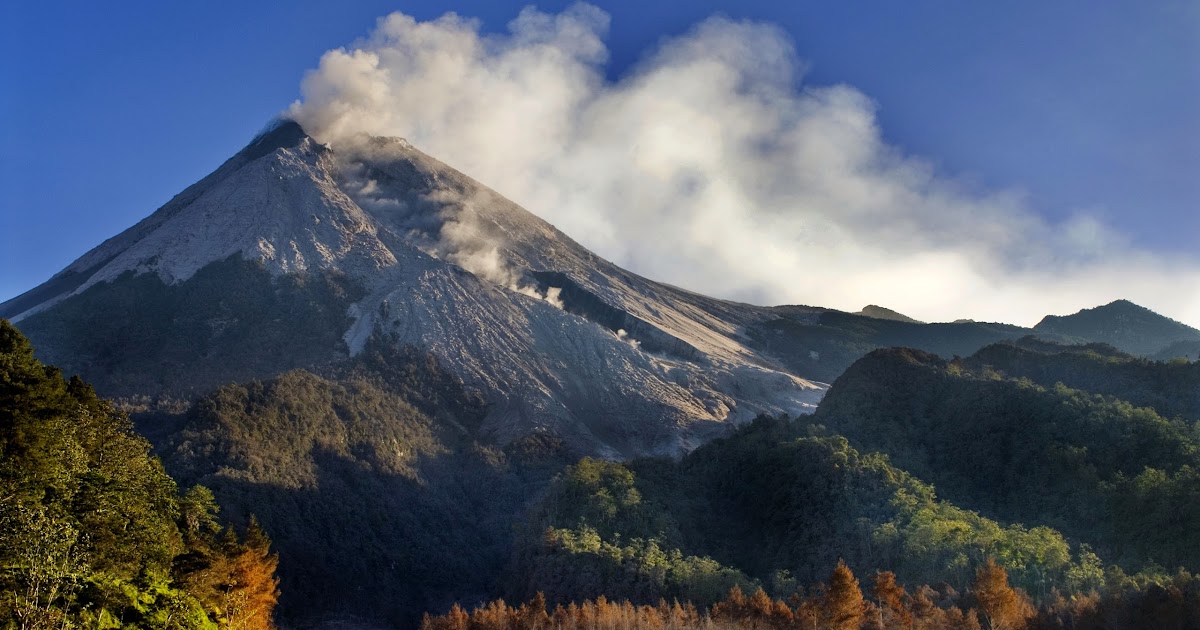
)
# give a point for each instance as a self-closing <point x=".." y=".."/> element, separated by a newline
<point x="293" y="254"/>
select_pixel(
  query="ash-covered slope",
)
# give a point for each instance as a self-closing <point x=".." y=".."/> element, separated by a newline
<point x="293" y="254"/>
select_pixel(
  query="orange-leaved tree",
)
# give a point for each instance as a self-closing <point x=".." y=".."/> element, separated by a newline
<point x="843" y="606"/>
<point x="1001" y="606"/>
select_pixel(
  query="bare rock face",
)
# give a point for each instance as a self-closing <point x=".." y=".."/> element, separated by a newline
<point x="294" y="254"/>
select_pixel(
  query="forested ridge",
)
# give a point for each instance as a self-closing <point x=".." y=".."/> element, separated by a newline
<point x="972" y="493"/>
<point x="381" y="497"/>
<point x="768" y="506"/>
<point x="1122" y="478"/>
<point x="1171" y="387"/>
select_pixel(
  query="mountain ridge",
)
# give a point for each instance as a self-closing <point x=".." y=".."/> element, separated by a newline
<point x="293" y="254"/>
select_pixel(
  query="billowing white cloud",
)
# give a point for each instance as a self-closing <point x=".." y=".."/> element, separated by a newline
<point x="712" y="165"/>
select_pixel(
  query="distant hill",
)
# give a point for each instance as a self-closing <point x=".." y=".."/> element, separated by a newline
<point x="1122" y="324"/>
<point x="821" y="343"/>
<point x="879" y="312"/>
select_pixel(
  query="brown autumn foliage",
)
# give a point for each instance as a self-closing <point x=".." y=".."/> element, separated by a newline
<point x="235" y="581"/>
<point x="1174" y="604"/>
<point x="600" y="614"/>
<point x="843" y="607"/>
<point x="990" y="604"/>
<point x="254" y="589"/>
<point x="1001" y="607"/>
<point x="894" y="605"/>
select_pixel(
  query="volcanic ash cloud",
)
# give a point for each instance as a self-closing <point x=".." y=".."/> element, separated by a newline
<point x="713" y="165"/>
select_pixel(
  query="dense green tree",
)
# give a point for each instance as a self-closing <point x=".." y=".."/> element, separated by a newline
<point x="92" y="530"/>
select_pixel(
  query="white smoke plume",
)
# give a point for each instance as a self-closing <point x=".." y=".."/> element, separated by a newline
<point x="712" y="165"/>
<point x="458" y="235"/>
<point x="463" y="241"/>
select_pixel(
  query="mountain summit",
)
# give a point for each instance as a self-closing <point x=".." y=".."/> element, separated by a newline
<point x="881" y="312"/>
<point x="293" y="254"/>
<point x="1123" y="324"/>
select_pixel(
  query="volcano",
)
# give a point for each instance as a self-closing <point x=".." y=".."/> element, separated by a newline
<point x="294" y="254"/>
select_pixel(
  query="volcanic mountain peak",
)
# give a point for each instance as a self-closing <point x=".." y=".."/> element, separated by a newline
<point x="557" y="338"/>
<point x="274" y="202"/>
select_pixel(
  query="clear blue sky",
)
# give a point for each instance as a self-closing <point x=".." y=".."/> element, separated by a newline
<point x="108" y="109"/>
